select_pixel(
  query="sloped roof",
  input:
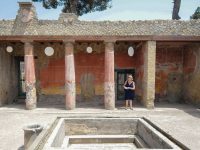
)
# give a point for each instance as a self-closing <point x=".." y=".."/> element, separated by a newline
<point x="100" y="28"/>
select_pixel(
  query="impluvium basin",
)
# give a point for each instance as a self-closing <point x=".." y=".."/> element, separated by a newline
<point x="106" y="133"/>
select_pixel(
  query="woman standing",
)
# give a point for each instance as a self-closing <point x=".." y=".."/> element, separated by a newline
<point x="129" y="87"/>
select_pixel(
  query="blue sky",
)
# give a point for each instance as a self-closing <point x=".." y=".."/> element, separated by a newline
<point x="121" y="10"/>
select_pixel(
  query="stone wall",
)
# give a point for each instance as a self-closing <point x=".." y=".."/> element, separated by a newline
<point x="191" y="69"/>
<point x="8" y="77"/>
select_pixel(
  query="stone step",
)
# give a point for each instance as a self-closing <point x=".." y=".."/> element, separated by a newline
<point x="19" y="100"/>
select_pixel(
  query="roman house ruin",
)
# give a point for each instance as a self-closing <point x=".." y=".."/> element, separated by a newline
<point x="73" y="60"/>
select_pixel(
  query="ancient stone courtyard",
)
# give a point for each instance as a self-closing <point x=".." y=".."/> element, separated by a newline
<point x="178" y="120"/>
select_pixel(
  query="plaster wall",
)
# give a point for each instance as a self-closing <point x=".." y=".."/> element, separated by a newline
<point x="169" y="73"/>
<point x="8" y="77"/>
<point x="191" y="69"/>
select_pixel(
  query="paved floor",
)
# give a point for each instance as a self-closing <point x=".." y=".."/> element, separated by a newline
<point x="180" y="121"/>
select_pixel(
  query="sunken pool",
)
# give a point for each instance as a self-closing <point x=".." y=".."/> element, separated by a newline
<point x="106" y="134"/>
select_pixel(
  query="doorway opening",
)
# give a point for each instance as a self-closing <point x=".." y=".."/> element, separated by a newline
<point x="21" y="78"/>
<point x="120" y="78"/>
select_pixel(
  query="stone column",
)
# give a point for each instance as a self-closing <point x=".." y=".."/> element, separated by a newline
<point x="109" y="83"/>
<point x="149" y="74"/>
<point x="30" y="80"/>
<point x="70" y="100"/>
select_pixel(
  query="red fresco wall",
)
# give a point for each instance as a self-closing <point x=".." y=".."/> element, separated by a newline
<point x="52" y="77"/>
<point x="191" y="69"/>
<point x="89" y="63"/>
<point x="54" y="74"/>
<point x="167" y="61"/>
<point x="189" y="62"/>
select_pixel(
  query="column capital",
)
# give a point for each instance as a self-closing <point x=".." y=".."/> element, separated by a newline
<point x="28" y="47"/>
<point x="65" y="41"/>
<point x="151" y="42"/>
<point x="27" y="41"/>
<point x="109" y="46"/>
<point x="69" y="47"/>
<point x="109" y="41"/>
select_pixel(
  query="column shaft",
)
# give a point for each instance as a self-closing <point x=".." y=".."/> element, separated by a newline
<point x="30" y="80"/>
<point x="109" y="83"/>
<point x="149" y="73"/>
<point x="70" y="76"/>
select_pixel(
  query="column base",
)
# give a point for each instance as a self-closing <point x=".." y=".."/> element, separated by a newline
<point x="31" y="107"/>
<point x="70" y="107"/>
<point x="150" y="107"/>
<point x="70" y="102"/>
<point x="31" y="98"/>
<point x="109" y="96"/>
<point x="70" y="99"/>
<point x="149" y="104"/>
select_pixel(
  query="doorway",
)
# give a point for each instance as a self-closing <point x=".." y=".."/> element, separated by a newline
<point x="120" y="78"/>
<point x="21" y="78"/>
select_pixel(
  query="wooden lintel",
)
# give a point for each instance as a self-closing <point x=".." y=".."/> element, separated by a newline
<point x="100" y="38"/>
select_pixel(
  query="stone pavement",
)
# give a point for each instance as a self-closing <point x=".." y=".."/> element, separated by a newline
<point x="182" y="122"/>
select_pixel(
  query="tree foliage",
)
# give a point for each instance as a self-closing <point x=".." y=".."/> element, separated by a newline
<point x="79" y="7"/>
<point x="196" y="14"/>
<point x="176" y="8"/>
